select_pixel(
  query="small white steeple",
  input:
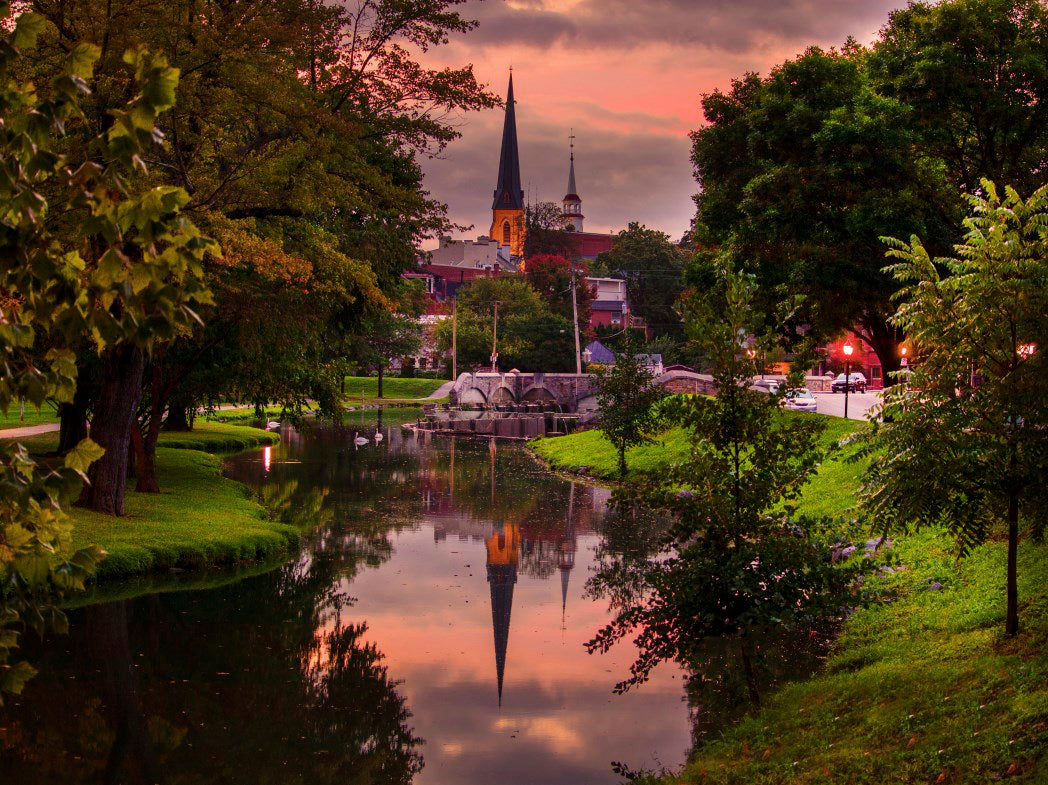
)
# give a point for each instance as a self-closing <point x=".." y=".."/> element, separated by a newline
<point x="571" y="214"/>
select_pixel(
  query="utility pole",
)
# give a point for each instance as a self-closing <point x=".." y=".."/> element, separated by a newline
<point x="454" y="339"/>
<point x="495" y="340"/>
<point x="575" y="319"/>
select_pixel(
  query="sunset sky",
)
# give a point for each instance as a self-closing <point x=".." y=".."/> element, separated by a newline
<point x="627" y="75"/>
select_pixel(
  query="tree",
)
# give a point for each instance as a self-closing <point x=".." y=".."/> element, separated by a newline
<point x="530" y="336"/>
<point x="627" y="396"/>
<point x="737" y="560"/>
<point x="544" y="233"/>
<point x="801" y="173"/>
<point x="653" y="267"/>
<point x="975" y="76"/>
<point x="964" y="440"/>
<point x="550" y="276"/>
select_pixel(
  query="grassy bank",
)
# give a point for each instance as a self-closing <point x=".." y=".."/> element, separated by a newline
<point x="831" y="491"/>
<point x="393" y="388"/>
<point x="200" y="518"/>
<point x="921" y="686"/>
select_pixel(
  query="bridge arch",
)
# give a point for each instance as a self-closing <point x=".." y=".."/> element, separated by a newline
<point x="503" y="395"/>
<point x="539" y="395"/>
<point x="472" y="395"/>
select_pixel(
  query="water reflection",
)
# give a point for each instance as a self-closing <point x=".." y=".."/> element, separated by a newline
<point x="382" y="632"/>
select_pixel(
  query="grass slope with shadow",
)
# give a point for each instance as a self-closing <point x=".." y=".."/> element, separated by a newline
<point x="199" y="518"/>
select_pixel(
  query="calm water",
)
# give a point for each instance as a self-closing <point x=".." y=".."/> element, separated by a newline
<point x="430" y="631"/>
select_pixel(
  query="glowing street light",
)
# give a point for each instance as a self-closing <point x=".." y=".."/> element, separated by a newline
<point x="1027" y="350"/>
<point x="847" y="349"/>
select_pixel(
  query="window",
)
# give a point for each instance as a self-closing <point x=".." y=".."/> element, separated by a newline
<point x="875" y="372"/>
<point x="615" y="319"/>
<point x="505" y="233"/>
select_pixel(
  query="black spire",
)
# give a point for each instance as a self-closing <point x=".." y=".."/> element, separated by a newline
<point x="501" y="579"/>
<point x="508" y="193"/>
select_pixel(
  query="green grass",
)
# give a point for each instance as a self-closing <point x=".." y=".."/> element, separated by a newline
<point x="393" y="388"/>
<point x="923" y="689"/>
<point x="199" y="519"/>
<point x="831" y="491"/>
<point x="46" y="416"/>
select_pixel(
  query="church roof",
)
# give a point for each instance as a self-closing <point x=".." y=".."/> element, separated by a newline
<point x="509" y="195"/>
<point x="572" y="193"/>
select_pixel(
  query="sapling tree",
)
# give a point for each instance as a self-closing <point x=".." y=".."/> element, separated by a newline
<point x="627" y="395"/>
<point x="737" y="559"/>
<point x="964" y="438"/>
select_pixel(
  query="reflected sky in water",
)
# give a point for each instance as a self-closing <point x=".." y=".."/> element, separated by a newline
<point x="430" y="631"/>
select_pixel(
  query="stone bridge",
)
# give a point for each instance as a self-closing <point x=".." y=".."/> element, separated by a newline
<point x="571" y="392"/>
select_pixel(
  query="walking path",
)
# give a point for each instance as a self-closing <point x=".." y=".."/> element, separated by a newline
<point x="29" y="430"/>
<point x="440" y="392"/>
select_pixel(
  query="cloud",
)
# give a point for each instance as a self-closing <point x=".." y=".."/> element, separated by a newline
<point x="732" y="25"/>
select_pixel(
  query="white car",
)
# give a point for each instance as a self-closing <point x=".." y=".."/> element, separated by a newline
<point x="801" y="400"/>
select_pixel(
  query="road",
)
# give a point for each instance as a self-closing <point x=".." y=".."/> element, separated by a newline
<point x="858" y="404"/>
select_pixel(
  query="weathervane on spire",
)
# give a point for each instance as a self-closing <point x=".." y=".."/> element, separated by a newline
<point x="571" y="142"/>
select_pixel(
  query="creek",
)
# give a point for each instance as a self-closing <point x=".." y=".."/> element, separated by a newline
<point x="430" y="630"/>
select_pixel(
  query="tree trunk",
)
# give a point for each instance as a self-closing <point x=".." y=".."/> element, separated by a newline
<point x="622" y="463"/>
<point x="751" y="676"/>
<point x="121" y="387"/>
<point x="177" y="418"/>
<point x="73" y="427"/>
<point x="380" y="381"/>
<point x="145" y="457"/>
<point x="1011" y="620"/>
<point x="884" y="340"/>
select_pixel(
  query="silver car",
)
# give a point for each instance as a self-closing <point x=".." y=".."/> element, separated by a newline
<point x="801" y="400"/>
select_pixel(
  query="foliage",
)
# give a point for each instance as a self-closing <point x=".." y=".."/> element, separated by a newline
<point x="530" y="336"/>
<point x="974" y="74"/>
<point x="802" y="172"/>
<point x="737" y="560"/>
<point x="653" y="267"/>
<point x="544" y="234"/>
<point x="550" y="275"/>
<point x="627" y="396"/>
<point x="964" y="440"/>
<point x="125" y="291"/>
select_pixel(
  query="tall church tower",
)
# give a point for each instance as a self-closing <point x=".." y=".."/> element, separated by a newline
<point x="507" y="208"/>
<point x="571" y="213"/>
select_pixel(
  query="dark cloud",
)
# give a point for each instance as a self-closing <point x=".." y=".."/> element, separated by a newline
<point x="730" y="25"/>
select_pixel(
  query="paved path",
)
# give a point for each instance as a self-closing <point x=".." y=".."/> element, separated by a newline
<point x="29" y="430"/>
<point x="440" y="392"/>
<point x="858" y="404"/>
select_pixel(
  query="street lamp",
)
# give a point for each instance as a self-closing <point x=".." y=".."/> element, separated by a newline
<point x="847" y="349"/>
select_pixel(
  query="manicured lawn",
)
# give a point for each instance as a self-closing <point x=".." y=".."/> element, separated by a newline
<point x="46" y="416"/>
<point x="831" y="491"/>
<point x="393" y="388"/>
<point x="200" y="518"/>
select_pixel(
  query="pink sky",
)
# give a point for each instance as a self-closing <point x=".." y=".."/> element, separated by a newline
<point x="627" y="75"/>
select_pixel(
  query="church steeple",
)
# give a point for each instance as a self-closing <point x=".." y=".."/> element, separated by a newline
<point x="503" y="548"/>
<point x="571" y="214"/>
<point x="508" y="192"/>
<point x="507" y="206"/>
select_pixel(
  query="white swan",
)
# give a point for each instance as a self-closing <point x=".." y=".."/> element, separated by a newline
<point x="359" y="440"/>
<point x="272" y="424"/>
<point x="378" y="436"/>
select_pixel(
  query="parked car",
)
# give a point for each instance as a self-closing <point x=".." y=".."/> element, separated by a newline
<point x="801" y="400"/>
<point x="856" y="382"/>
<point x="770" y="386"/>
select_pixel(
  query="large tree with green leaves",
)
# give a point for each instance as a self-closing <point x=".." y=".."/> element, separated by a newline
<point x="737" y="559"/>
<point x="653" y="267"/>
<point x="801" y="173"/>
<point x="85" y="258"/>
<point x="964" y="440"/>
<point x="974" y="74"/>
